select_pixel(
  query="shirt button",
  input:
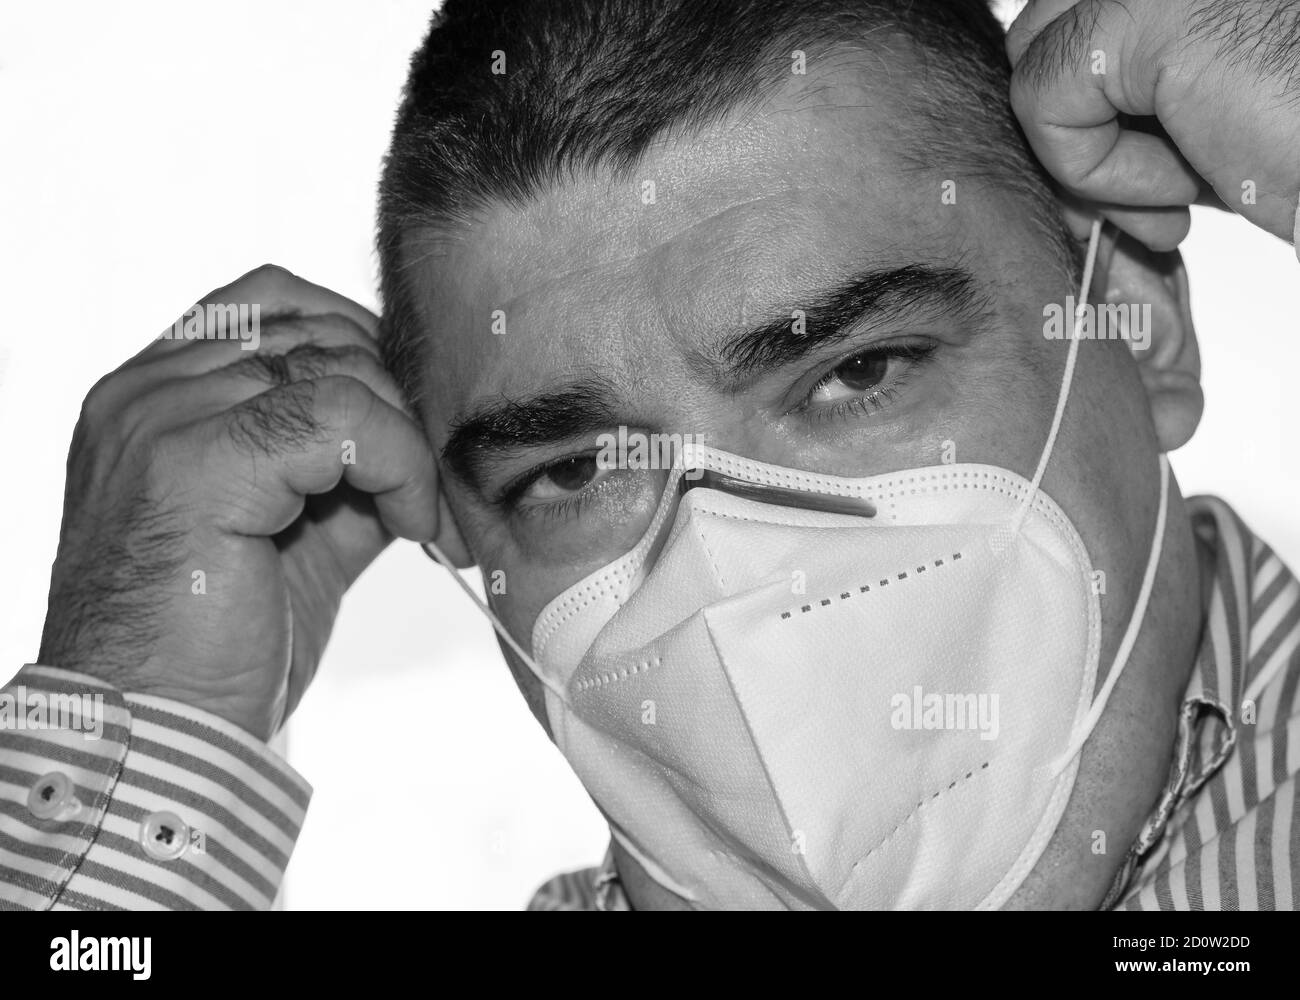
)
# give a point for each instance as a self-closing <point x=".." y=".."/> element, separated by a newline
<point x="53" y="797"/>
<point x="164" y="836"/>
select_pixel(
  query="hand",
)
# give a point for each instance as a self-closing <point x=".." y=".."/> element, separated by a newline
<point x="1215" y="84"/>
<point x="221" y="500"/>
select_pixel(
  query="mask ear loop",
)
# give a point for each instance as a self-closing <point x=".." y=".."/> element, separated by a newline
<point x="1130" y="634"/>
<point x="681" y="464"/>
<point x="1153" y="560"/>
<point x="1066" y="380"/>
<point x="435" y="553"/>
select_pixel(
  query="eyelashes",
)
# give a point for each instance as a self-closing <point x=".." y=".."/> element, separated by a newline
<point x="510" y="494"/>
<point x="896" y="364"/>
<point x="558" y="510"/>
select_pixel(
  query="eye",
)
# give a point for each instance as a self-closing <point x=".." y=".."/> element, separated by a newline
<point x="866" y="381"/>
<point x="562" y="479"/>
<point x="859" y="374"/>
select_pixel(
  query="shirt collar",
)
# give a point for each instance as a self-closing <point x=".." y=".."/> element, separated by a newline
<point x="607" y="887"/>
<point x="1207" y="720"/>
<point x="1213" y="700"/>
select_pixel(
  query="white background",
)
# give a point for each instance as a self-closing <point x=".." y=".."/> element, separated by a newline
<point x="150" y="152"/>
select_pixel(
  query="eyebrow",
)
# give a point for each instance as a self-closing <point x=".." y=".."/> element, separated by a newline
<point x="591" y="404"/>
<point x="884" y="296"/>
<point x="583" y="406"/>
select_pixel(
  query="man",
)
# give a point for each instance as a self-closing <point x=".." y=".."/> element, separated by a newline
<point x="923" y="621"/>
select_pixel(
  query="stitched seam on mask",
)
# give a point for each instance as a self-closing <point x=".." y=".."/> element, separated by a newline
<point x="578" y="602"/>
<point x="721" y="515"/>
<point x="627" y="565"/>
<point x="704" y="544"/>
<point x="1009" y="488"/>
<point x="890" y="488"/>
<point x="600" y="680"/>
<point x="934" y="482"/>
<point x="753" y="471"/>
<point x="823" y="602"/>
<point x="919" y="806"/>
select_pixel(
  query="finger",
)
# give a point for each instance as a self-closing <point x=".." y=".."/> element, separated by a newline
<point x="1107" y="163"/>
<point x="277" y="335"/>
<point x="1157" y="228"/>
<point x="184" y="400"/>
<point x="275" y="291"/>
<point x="259" y="460"/>
<point x="1073" y="81"/>
<point x="1030" y="22"/>
<point x="346" y="522"/>
<point x="147" y="375"/>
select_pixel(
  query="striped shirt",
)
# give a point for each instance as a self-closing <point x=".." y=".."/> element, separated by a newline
<point x="1225" y="832"/>
<point x="158" y="807"/>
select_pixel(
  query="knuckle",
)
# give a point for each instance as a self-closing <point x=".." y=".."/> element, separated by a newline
<point x="270" y="281"/>
<point x="352" y="357"/>
<point x="302" y="362"/>
<point x="272" y="274"/>
<point x="136" y="413"/>
<point x="287" y="326"/>
<point x="336" y="390"/>
<point x="257" y="365"/>
<point x="309" y="360"/>
<point x="100" y="399"/>
<point x="346" y="398"/>
<point x="280" y="419"/>
<point x="155" y="459"/>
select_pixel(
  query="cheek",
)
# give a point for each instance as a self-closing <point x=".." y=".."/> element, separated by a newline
<point x="1000" y="404"/>
<point x="1109" y="447"/>
<point x="516" y="594"/>
<point x="518" y="588"/>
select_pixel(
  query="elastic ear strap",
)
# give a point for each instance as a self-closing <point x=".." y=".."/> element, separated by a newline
<point x="439" y="556"/>
<point x="1130" y="634"/>
<point x="651" y="867"/>
<point x="1066" y="379"/>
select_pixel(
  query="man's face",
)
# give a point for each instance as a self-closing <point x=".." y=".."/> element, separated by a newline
<point x="644" y="314"/>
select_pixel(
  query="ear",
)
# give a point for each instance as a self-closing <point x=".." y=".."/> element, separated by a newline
<point x="1163" y="338"/>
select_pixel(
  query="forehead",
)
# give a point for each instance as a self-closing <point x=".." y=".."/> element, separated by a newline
<point x="629" y="276"/>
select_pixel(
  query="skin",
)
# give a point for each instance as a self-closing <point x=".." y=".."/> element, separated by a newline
<point x="197" y="456"/>
<point x="750" y="216"/>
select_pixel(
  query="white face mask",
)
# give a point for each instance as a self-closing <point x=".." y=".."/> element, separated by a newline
<point x="874" y="703"/>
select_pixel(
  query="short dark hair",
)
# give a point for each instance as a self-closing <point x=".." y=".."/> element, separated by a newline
<point x="588" y="84"/>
